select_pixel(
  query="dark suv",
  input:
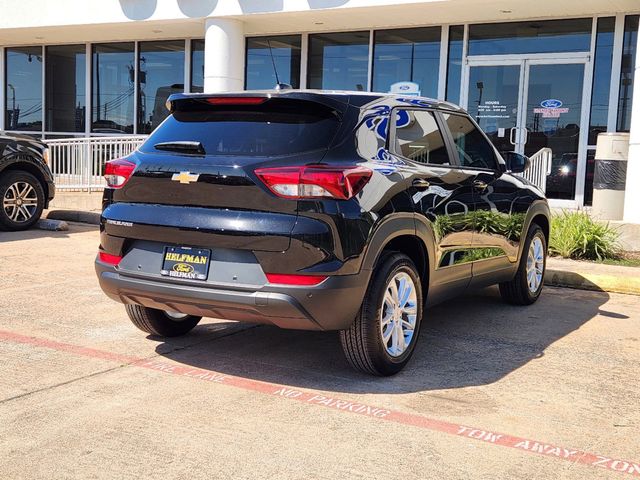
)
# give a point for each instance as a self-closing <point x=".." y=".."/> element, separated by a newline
<point x="26" y="183"/>
<point x="317" y="211"/>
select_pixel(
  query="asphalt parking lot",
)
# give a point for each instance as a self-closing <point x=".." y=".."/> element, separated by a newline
<point x="493" y="391"/>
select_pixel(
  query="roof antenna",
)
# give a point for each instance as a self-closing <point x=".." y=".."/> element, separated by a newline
<point x="279" y="86"/>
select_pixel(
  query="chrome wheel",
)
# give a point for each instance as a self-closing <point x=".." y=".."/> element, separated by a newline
<point x="398" y="314"/>
<point x="176" y="315"/>
<point x="535" y="264"/>
<point x="20" y="202"/>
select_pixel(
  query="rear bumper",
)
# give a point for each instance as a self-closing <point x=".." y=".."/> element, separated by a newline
<point x="332" y="305"/>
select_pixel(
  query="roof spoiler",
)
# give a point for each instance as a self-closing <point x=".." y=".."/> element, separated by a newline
<point x="189" y="101"/>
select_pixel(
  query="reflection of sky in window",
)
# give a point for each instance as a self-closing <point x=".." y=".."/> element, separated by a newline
<point x="260" y="70"/>
<point x="339" y="61"/>
<point x="405" y="56"/>
<point x="629" y="54"/>
<point x="571" y="35"/>
<point x="113" y="86"/>
<point x="163" y="67"/>
<point x="286" y="55"/>
<point x="24" y="74"/>
<point x="601" y="77"/>
<point x="197" y="65"/>
<point x="454" y="67"/>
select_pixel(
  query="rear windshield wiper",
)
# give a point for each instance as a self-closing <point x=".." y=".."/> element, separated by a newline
<point x="183" y="146"/>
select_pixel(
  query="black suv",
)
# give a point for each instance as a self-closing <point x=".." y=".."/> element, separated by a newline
<point x="317" y="211"/>
<point x="26" y="183"/>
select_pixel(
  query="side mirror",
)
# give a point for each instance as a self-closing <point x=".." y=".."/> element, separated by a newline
<point x="516" y="163"/>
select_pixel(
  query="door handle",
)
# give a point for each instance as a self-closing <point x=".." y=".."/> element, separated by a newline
<point x="480" y="185"/>
<point x="420" y="184"/>
<point x="511" y="138"/>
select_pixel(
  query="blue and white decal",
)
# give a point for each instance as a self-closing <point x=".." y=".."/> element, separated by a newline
<point x="551" y="103"/>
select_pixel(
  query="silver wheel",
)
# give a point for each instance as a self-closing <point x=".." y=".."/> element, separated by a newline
<point x="535" y="264"/>
<point x="398" y="314"/>
<point x="20" y="202"/>
<point x="176" y="315"/>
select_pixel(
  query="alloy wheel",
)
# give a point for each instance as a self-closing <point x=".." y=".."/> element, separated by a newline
<point x="20" y="202"/>
<point x="398" y="314"/>
<point x="535" y="264"/>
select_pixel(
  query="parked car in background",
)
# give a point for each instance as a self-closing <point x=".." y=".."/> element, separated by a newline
<point x="317" y="211"/>
<point x="26" y="183"/>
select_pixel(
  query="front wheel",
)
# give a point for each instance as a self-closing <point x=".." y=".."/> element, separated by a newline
<point x="383" y="335"/>
<point x="526" y="286"/>
<point x="161" y="323"/>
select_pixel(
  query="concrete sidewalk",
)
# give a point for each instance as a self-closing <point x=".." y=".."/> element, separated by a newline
<point x="592" y="276"/>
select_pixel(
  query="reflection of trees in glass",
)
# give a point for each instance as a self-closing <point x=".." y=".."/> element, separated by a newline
<point x="483" y="221"/>
<point x="476" y="254"/>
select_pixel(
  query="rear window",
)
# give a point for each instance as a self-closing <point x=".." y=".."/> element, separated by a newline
<point x="276" y="127"/>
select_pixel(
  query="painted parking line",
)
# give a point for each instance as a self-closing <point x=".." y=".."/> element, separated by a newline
<point x="346" y="406"/>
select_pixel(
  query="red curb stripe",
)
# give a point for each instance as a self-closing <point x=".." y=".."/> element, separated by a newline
<point x="66" y="347"/>
<point x="316" y="398"/>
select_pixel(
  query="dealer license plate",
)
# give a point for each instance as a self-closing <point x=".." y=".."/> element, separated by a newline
<point x="186" y="262"/>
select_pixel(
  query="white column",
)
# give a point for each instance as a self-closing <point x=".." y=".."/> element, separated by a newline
<point x="223" y="55"/>
<point x="632" y="189"/>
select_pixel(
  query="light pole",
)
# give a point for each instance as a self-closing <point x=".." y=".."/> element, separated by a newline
<point x="13" y="107"/>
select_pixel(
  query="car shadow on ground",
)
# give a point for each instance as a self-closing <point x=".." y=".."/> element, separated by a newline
<point x="35" y="233"/>
<point x="473" y="340"/>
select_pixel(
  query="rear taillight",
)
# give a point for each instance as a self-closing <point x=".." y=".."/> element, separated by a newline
<point x="288" y="279"/>
<point x="117" y="172"/>
<point x="108" y="258"/>
<point x="315" y="182"/>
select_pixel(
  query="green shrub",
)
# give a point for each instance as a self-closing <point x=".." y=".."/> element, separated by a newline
<point x="577" y="235"/>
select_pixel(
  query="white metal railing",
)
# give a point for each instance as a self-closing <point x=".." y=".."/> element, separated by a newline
<point x="539" y="168"/>
<point x="77" y="163"/>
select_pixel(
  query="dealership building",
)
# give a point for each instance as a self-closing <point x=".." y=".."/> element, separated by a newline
<point x="535" y="75"/>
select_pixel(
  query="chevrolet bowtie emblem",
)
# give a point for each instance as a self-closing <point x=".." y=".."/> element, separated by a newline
<point x="185" y="177"/>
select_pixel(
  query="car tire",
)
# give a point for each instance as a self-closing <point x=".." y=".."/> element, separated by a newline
<point x="526" y="285"/>
<point x="370" y="343"/>
<point x="21" y="201"/>
<point x="159" y="322"/>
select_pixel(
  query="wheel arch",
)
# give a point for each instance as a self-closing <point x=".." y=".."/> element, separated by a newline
<point x="540" y="214"/>
<point x="401" y="233"/>
<point x="25" y="164"/>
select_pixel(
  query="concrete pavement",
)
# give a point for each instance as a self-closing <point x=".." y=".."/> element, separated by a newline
<point x="83" y="394"/>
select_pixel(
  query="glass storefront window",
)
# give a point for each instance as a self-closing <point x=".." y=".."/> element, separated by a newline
<point x="407" y="55"/>
<point x="161" y="74"/>
<point x="339" y="61"/>
<point x="65" y="88"/>
<point x="494" y="93"/>
<point x="23" y="89"/>
<point x="197" y="66"/>
<point x="264" y="52"/>
<point x="556" y="128"/>
<point x="112" y="86"/>
<point x="626" y="74"/>
<point x="454" y="63"/>
<point x="549" y="36"/>
<point x="601" y="78"/>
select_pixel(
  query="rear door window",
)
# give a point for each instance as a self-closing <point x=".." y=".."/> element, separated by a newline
<point x="418" y="138"/>
<point x="278" y="127"/>
<point x="473" y="149"/>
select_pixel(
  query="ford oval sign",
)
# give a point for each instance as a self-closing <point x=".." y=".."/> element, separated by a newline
<point x="551" y="103"/>
<point x="405" y="88"/>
